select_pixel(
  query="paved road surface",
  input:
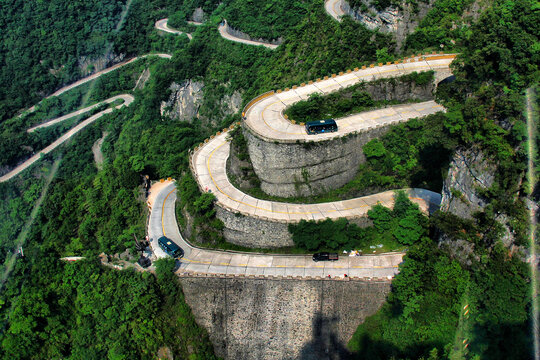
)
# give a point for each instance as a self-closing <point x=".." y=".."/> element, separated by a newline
<point x="125" y="97"/>
<point x="265" y="117"/>
<point x="163" y="222"/>
<point x="333" y="8"/>
<point x="163" y="26"/>
<point x="128" y="99"/>
<point x="209" y="164"/>
<point x="223" y="31"/>
<point x="96" y="75"/>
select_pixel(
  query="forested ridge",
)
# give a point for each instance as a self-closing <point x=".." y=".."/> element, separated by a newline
<point x="50" y="309"/>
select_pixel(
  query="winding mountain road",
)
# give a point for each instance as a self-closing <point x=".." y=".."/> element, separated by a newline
<point x="127" y="98"/>
<point x="265" y="119"/>
<point x="223" y="30"/>
<point x="163" y="26"/>
<point x="197" y="260"/>
<point x="333" y="8"/>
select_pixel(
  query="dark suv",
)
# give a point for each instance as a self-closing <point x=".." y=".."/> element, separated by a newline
<point x="324" y="256"/>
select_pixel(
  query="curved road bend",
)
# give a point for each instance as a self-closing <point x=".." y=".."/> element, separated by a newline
<point x="163" y="26"/>
<point x="265" y="117"/>
<point x="128" y="99"/>
<point x="333" y="8"/>
<point x="209" y="164"/>
<point x="163" y="222"/>
<point x="96" y="75"/>
<point x="223" y="31"/>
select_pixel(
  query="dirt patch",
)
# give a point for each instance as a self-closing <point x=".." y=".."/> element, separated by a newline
<point x="154" y="190"/>
<point x="96" y="150"/>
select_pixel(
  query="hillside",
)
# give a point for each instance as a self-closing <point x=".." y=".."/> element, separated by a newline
<point x="471" y="254"/>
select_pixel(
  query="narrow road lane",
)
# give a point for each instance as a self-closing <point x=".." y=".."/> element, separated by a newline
<point x="128" y="99"/>
<point x="223" y="30"/>
<point x="163" y="26"/>
<point x="196" y="260"/>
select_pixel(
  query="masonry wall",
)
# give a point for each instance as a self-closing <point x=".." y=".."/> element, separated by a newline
<point x="308" y="168"/>
<point x="266" y="319"/>
<point x="252" y="231"/>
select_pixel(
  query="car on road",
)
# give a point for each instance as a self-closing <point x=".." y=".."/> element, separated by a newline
<point x="170" y="247"/>
<point x="325" y="256"/>
<point x="321" y="126"/>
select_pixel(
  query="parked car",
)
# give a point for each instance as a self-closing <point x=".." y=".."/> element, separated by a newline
<point x="324" y="256"/>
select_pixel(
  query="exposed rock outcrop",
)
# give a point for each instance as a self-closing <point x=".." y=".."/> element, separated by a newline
<point x="469" y="172"/>
<point x="198" y="15"/>
<point x="187" y="102"/>
<point x="88" y="65"/>
<point x="184" y="102"/>
<point x="399" y="21"/>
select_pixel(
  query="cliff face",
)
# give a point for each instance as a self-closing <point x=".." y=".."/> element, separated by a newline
<point x="184" y="102"/>
<point x="468" y="173"/>
<point x="187" y="102"/>
<point x="263" y="319"/>
<point x="399" y="21"/>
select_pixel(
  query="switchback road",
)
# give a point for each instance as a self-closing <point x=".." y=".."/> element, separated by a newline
<point x="196" y="260"/>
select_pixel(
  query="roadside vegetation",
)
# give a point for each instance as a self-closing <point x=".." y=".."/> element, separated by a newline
<point x="355" y="99"/>
<point x="55" y="310"/>
<point x="392" y="229"/>
<point x="426" y="315"/>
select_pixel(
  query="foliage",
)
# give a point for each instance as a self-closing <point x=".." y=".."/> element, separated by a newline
<point x="443" y="28"/>
<point x="406" y="219"/>
<point x="83" y="310"/>
<point x="266" y="19"/>
<point x="206" y="227"/>
<point x="484" y="112"/>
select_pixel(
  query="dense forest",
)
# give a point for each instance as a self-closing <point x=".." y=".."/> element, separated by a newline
<point x="51" y="309"/>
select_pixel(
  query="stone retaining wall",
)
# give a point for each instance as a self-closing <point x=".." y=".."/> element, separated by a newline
<point x="253" y="232"/>
<point x="265" y="319"/>
<point x="308" y="168"/>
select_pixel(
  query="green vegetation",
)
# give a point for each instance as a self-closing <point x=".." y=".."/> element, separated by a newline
<point x="427" y="300"/>
<point x="403" y="225"/>
<point x="353" y="99"/>
<point x="86" y="311"/>
<point x="266" y="19"/>
<point x="425" y="316"/>
<point x="54" y="310"/>
<point x="206" y="228"/>
<point x="443" y="27"/>
<point x="20" y="145"/>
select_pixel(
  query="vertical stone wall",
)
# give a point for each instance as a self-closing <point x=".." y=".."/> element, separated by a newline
<point x="252" y="231"/>
<point x="308" y="168"/>
<point x="266" y="319"/>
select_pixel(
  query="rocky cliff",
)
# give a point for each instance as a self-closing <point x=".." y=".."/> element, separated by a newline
<point x="264" y="319"/>
<point x="184" y="102"/>
<point x="469" y="172"/>
<point x="401" y="21"/>
<point x="469" y="176"/>
<point x="187" y="101"/>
